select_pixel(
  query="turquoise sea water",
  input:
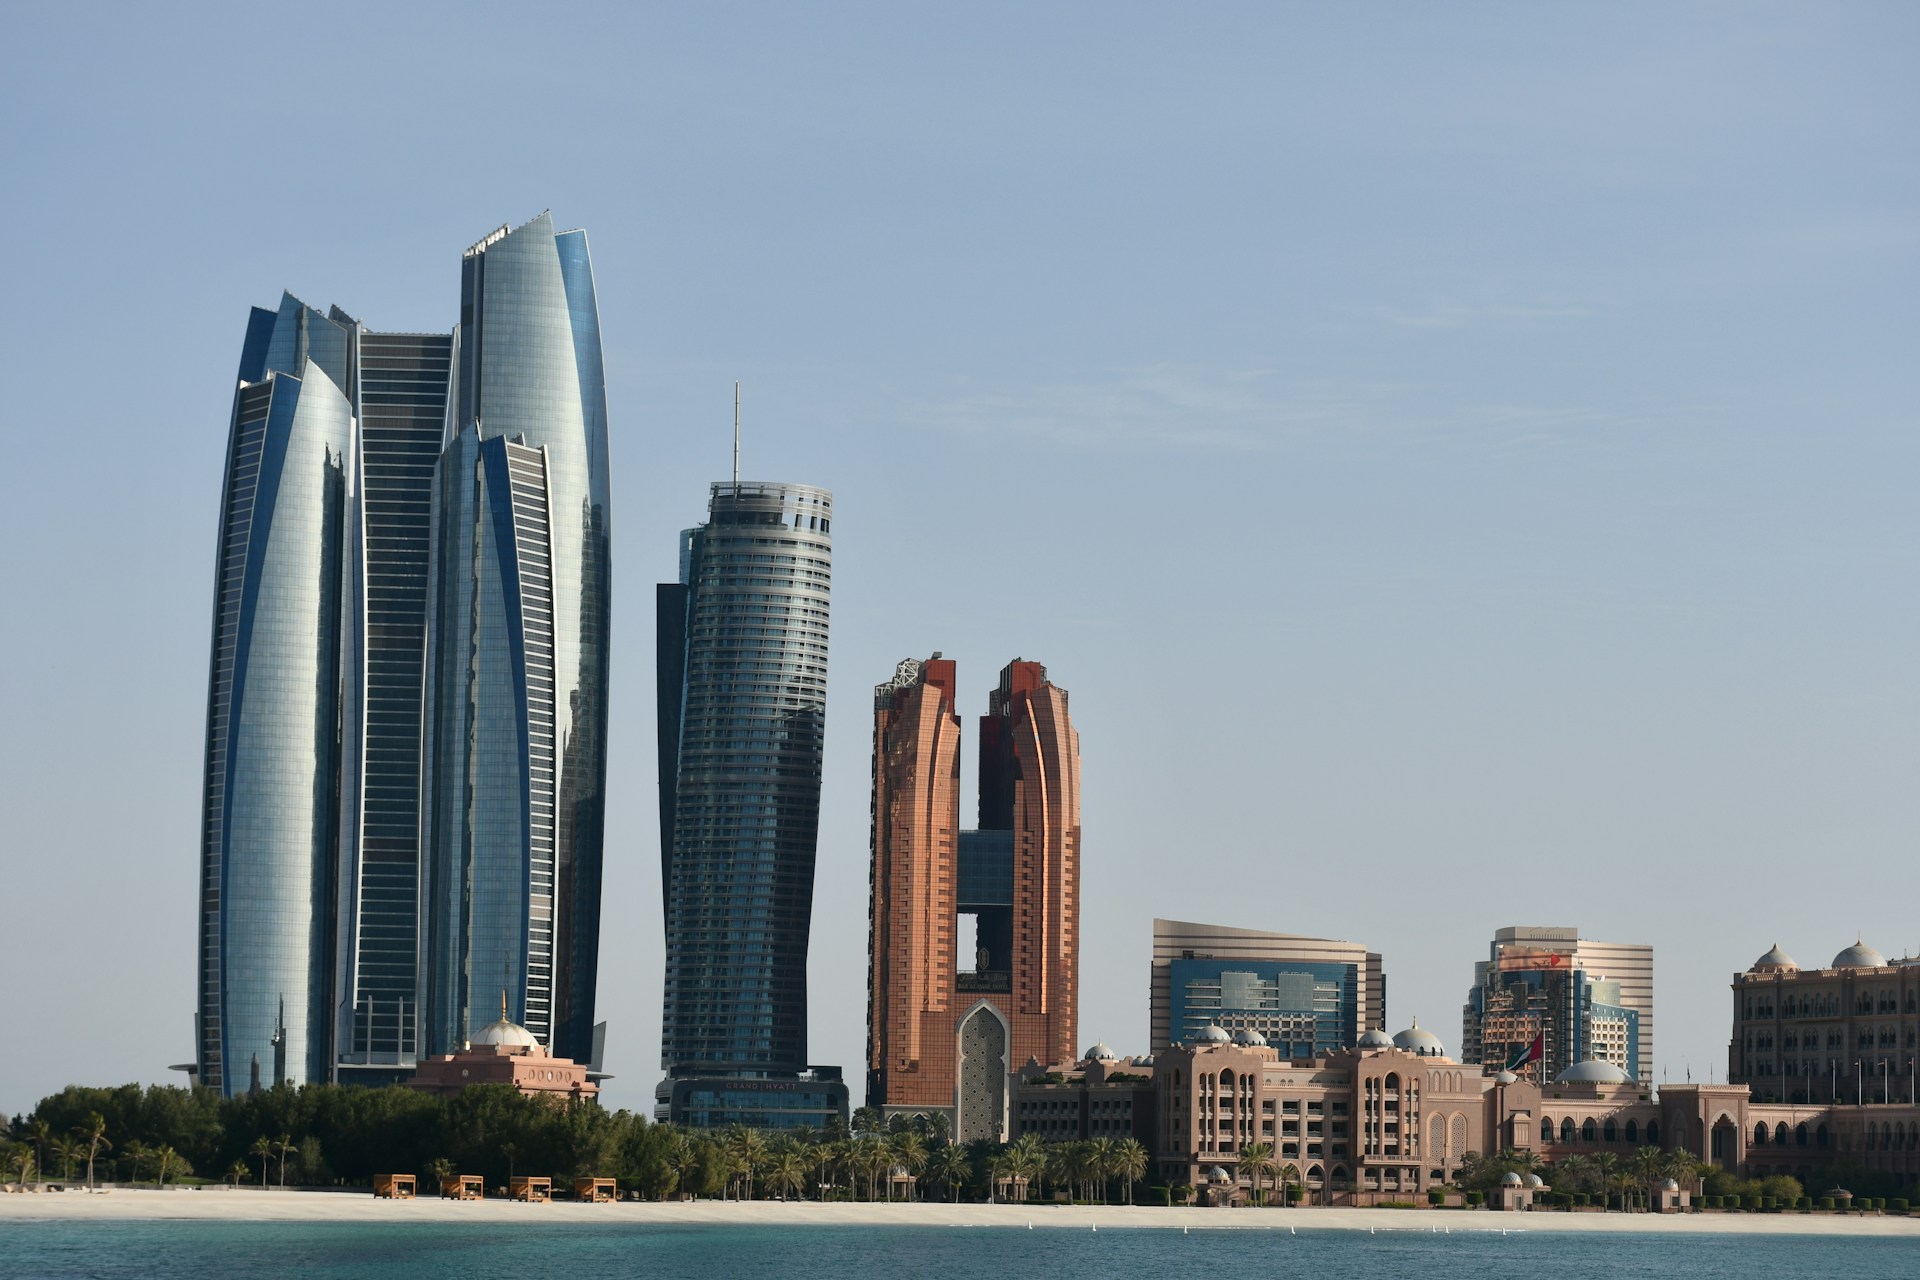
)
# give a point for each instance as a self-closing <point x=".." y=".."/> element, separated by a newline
<point x="428" y="1251"/>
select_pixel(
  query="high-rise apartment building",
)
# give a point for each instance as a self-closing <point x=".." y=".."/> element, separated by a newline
<point x="945" y="1030"/>
<point x="406" y="737"/>
<point x="742" y="680"/>
<point x="1581" y="998"/>
<point x="1303" y="996"/>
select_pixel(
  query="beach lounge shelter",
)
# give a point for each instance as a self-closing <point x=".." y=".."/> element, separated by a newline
<point x="466" y="1186"/>
<point x="594" y="1190"/>
<point x="393" y="1186"/>
<point x="533" y="1190"/>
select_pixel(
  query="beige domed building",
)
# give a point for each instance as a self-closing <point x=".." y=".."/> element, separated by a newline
<point x="505" y="1052"/>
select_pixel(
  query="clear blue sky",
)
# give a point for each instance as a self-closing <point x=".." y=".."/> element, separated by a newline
<point x="1460" y="458"/>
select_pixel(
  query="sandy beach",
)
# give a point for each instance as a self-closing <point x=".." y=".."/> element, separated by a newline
<point x="253" y="1205"/>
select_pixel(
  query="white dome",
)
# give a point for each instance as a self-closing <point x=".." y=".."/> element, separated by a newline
<point x="506" y="1034"/>
<point x="1511" y="1180"/>
<point x="1210" y="1034"/>
<point x="1859" y="956"/>
<point x="1101" y="1053"/>
<point x="1535" y="1181"/>
<point x="1249" y="1038"/>
<point x="1506" y="1077"/>
<point x="1217" y="1174"/>
<point x="1594" y="1071"/>
<point x="1669" y="1185"/>
<point x="1417" y="1039"/>
<point x="1375" y="1039"/>
<point x="1774" y="959"/>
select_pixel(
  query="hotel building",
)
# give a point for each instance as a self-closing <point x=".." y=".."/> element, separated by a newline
<point x="946" y="1031"/>
<point x="1582" y="998"/>
<point x="1849" y="1032"/>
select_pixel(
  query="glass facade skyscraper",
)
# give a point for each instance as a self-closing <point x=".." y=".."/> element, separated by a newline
<point x="742" y="719"/>
<point x="406" y="742"/>
<point x="517" y="679"/>
<point x="269" y="812"/>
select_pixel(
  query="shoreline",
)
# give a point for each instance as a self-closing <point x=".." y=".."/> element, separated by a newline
<point x="254" y="1205"/>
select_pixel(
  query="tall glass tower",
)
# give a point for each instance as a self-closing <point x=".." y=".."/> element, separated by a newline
<point x="742" y="720"/>
<point x="518" y="618"/>
<point x="406" y="728"/>
<point x="269" y="811"/>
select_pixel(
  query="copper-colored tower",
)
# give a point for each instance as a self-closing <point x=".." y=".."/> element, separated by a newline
<point x="946" y="1030"/>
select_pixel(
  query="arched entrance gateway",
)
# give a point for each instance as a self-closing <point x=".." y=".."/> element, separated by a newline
<point x="1724" y="1143"/>
<point x="983" y="1076"/>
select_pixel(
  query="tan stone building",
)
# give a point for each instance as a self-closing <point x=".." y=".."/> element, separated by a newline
<point x="1848" y="1033"/>
<point x="504" y="1053"/>
<point x="1100" y="1096"/>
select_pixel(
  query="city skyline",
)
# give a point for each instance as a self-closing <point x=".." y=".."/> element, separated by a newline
<point x="1422" y="442"/>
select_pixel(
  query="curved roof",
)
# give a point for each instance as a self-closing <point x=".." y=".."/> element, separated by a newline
<point x="1417" y="1039"/>
<point x="1774" y="959"/>
<point x="506" y="1034"/>
<point x="1250" y="1038"/>
<point x="1102" y="1053"/>
<point x="1859" y="956"/>
<point x="1510" y="1180"/>
<point x="1211" y="1034"/>
<point x="1535" y="1180"/>
<point x="1594" y="1071"/>
<point x="1506" y="1077"/>
<point x="1375" y="1039"/>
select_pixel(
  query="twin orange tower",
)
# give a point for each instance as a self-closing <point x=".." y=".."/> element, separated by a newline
<point x="945" y="1031"/>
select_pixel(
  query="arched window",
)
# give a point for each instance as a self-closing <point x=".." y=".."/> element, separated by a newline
<point x="1760" y="1135"/>
<point x="1314" y="1174"/>
<point x="1800" y="1136"/>
<point x="1587" y="1131"/>
<point x="1546" y="1130"/>
<point x="1607" y="1131"/>
<point x="1820" y="1137"/>
<point x="1780" y="1134"/>
<point x="1566" y="1131"/>
<point x="1653" y="1133"/>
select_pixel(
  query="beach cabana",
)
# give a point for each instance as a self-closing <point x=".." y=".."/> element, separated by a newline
<point x="532" y="1190"/>
<point x="465" y="1186"/>
<point x="595" y="1190"/>
<point x="393" y="1186"/>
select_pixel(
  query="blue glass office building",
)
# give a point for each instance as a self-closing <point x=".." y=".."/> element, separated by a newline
<point x="518" y="625"/>
<point x="1302" y="1008"/>
<point x="742" y="682"/>
<point x="270" y="804"/>
<point x="406" y="736"/>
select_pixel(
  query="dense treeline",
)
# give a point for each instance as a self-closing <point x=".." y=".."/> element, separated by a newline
<point x="333" y="1135"/>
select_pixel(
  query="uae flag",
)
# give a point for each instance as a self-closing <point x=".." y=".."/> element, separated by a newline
<point x="1535" y="1050"/>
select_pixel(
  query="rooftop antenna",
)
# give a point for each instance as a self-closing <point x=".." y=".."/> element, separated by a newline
<point x="736" y="439"/>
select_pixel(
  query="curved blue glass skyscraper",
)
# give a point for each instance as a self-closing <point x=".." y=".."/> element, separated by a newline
<point x="269" y="810"/>
<point x="517" y="652"/>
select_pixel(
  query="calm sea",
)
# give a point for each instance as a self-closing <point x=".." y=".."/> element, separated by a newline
<point x="428" y="1251"/>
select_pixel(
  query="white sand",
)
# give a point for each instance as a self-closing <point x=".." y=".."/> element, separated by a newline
<point x="253" y="1205"/>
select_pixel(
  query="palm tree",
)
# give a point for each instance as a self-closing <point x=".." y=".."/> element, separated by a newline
<point x="262" y="1147"/>
<point x="910" y="1152"/>
<point x="66" y="1151"/>
<point x="94" y="1133"/>
<point x="21" y="1158"/>
<point x="951" y="1166"/>
<point x="1256" y="1161"/>
<point x="822" y="1156"/>
<point x="1606" y="1170"/>
<point x="135" y="1152"/>
<point x="236" y="1171"/>
<point x="748" y="1149"/>
<point x="1130" y="1163"/>
<point x="937" y="1128"/>
<point x="39" y="1133"/>
<point x="440" y="1169"/>
<point x="163" y="1158"/>
<point x="787" y="1172"/>
<point x="1289" y="1179"/>
<point x="283" y="1147"/>
<point x="1103" y="1163"/>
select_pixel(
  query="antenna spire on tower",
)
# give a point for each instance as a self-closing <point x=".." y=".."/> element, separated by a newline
<point x="736" y="438"/>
